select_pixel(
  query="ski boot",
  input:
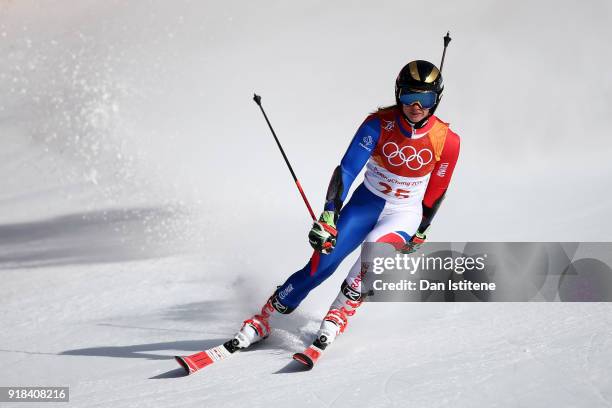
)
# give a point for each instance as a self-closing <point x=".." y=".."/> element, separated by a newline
<point x="334" y="323"/>
<point x="256" y="328"/>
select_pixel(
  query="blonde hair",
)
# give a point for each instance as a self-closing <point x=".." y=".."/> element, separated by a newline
<point x="385" y="108"/>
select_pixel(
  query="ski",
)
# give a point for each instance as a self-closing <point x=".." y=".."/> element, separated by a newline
<point x="309" y="356"/>
<point x="202" y="359"/>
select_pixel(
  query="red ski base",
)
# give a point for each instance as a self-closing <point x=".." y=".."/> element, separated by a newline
<point x="303" y="359"/>
<point x="194" y="362"/>
<point x="309" y="357"/>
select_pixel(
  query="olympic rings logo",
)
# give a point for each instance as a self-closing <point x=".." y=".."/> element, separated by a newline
<point x="407" y="155"/>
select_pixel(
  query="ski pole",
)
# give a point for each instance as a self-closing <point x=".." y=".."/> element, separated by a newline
<point x="447" y="39"/>
<point x="257" y="100"/>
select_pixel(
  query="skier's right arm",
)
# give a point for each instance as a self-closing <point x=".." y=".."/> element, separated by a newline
<point x="356" y="156"/>
<point x="322" y="235"/>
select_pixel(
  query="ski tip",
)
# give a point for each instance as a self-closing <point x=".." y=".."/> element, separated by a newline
<point x="304" y="359"/>
<point x="183" y="364"/>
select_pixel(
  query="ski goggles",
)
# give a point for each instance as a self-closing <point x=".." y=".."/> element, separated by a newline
<point x="426" y="100"/>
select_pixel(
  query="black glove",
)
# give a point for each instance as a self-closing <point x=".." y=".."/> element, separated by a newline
<point x="323" y="234"/>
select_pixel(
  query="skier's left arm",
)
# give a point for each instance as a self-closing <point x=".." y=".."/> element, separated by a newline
<point x="439" y="181"/>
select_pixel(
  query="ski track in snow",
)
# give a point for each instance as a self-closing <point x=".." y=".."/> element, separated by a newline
<point x="126" y="238"/>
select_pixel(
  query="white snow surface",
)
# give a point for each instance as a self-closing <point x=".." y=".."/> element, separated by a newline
<point x="145" y="211"/>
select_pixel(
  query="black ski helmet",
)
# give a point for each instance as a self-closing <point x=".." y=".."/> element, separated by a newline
<point x="420" y="75"/>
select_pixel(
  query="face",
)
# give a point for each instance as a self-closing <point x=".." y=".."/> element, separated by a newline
<point x="415" y="112"/>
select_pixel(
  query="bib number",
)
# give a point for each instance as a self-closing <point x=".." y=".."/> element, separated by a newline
<point x="399" y="193"/>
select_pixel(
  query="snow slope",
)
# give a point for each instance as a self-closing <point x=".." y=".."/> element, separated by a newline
<point x="142" y="198"/>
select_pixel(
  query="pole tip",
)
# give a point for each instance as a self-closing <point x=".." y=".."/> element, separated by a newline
<point x="447" y="38"/>
<point x="257" y="99"/>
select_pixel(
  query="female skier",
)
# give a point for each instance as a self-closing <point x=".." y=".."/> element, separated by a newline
<point x="409" y="156"/>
